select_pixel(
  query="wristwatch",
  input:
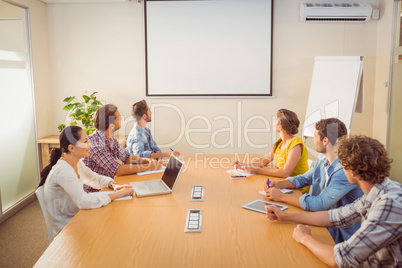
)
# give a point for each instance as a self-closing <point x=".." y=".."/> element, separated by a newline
<point x="112" y="184"/>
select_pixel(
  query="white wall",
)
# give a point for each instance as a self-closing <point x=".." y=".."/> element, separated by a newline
<point x="100" y="47"/>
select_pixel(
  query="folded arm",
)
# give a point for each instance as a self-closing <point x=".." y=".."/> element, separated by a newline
<point x="294" y="157"/>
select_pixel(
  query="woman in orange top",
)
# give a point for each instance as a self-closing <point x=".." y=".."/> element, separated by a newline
<point x="288" y="152"/>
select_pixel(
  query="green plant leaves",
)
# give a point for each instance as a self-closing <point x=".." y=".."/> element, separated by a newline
<point x="91" y="130"/>
<point x="69" y="99"/>
<point x="68" y="107"/>
<point x="78" y="112"/>
<point x="61" y="127"/>
<point x="97" y="103"/>
<point x="82" y="112"/>
<point x="86" y="98"/>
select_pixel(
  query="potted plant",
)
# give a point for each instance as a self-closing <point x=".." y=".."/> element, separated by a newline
<point x="82" y="112"/>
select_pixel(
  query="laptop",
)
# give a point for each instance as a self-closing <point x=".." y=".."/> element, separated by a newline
<point x="164" y="185"/>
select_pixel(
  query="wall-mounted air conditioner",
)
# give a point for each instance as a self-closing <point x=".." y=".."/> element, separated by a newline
<point x="335" y="12"/>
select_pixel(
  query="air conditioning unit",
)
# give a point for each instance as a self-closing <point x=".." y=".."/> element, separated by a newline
<point x="335" y="12"/>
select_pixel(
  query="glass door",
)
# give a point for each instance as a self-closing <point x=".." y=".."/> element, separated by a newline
<point x="19" y="157"/>
<point x="395" y="122"/>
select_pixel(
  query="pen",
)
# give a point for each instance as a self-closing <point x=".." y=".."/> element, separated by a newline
<point x="268" y="182"/>
<point x="238" y="164"/>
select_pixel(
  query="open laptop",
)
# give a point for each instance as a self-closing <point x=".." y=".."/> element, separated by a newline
<point x="164" y="185"/>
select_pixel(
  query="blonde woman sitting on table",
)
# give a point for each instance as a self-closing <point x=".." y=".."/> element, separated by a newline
<point x="289" y="152"/>
<point x="64" y="180"/>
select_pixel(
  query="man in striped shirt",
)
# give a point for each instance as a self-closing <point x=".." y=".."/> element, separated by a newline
<point x="378" y="242"/>
<point x="106" y="156"/>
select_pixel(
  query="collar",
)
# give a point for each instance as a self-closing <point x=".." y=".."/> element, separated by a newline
<point x="102" y="137"/>
<point x="325" y="160"/>
<point x="335" y="165"/>
<point x="139" y="128"/>
<point x="375" y="191"/>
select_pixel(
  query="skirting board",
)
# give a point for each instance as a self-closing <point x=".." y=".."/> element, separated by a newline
<point x="17" y="207"/>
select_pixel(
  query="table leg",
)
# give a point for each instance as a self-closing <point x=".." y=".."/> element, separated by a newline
<point x="45" y="155"/>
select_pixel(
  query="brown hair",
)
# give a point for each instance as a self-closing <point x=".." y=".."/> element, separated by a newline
<point x="364" y="156"/>
<point x="69" y="135"/>
<point x="105" y="116"/>
<point x="289" y="122"/>
<point x="139" y="109"/>
<point x="332" y="128"/>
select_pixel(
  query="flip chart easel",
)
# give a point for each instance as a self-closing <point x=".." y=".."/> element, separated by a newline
<point x="336" y="91"/>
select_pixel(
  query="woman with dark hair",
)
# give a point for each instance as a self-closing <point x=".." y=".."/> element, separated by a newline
<point x="65" y="176"/>
<point x="289" y="152"/>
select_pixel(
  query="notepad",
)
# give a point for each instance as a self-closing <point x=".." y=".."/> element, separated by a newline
<point x="239" y="173"/>
<point x="152" y="171"/>
<point x="121" y="198"/>
<point x="167" y="158"/>
<point x="285" y="191"/>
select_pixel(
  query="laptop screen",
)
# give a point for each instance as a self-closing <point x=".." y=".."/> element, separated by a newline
<point x="172" y="171"/>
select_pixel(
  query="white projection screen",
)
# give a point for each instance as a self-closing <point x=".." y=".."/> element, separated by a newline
<point x="208" y="48"/>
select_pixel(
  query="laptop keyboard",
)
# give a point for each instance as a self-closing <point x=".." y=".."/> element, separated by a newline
<point x="156" y="186"/>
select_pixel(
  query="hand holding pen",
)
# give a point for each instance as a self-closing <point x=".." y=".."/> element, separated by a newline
<point x="267" y="185"/>
<point x="175" y="153"/>
<point x="238" y="165"/>
<point x="272" y="192"/>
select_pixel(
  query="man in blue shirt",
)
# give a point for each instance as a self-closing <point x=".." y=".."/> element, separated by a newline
<point x="140" y="141"/>
<point x="329" y="186"/>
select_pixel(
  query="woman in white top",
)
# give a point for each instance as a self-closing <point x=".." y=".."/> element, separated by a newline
<point x="64" y="178"/>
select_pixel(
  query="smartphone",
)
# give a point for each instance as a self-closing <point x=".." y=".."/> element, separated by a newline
<point x="238" y="177"/>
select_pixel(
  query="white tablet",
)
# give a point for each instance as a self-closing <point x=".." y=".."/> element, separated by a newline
<point x="259" y="205"/>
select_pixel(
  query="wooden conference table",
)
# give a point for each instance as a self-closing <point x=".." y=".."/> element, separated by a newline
<point x="149" y="231"/>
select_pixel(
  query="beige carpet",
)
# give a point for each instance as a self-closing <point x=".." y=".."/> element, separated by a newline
<point x="23" y="237"/>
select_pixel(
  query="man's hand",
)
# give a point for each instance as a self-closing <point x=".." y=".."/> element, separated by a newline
<point x="271" y="184"/>
<point x="175" y="153"/>
<point x="274" y="194"/>
<point x="274" y="213"/>
<point x="301" y="232"/>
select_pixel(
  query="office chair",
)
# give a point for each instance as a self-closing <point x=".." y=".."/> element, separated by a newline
<point x="41" y="199"/>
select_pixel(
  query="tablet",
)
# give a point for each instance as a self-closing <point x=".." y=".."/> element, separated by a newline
<point x="259" y="205"/>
